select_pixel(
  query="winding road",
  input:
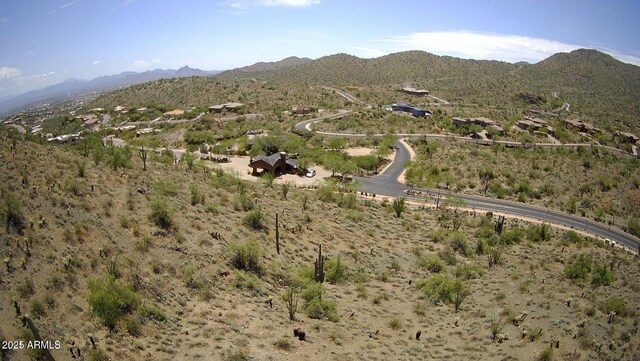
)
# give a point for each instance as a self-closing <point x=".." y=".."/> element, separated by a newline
<point x="387" y="184"/>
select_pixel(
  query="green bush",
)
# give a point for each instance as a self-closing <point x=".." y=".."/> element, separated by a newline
<point x="153" y="313"/>
<point x="111" y="300"/>
<point x="336" y="271"/>
<point x="579" y="269"/>
<point x="460" y="244"/>
<point x="165" y="188"/>
<point x="434" y="263"/>
<point x="445" y="289"/>
<point x="617" y="305"/>
<point x="248" y="282"/>
<point x="322" y="309"/>
<point x="312" y="291"/>
<point x="161" y="214"/>
<point x="11" y="213"/>
<point x="438" y="235"/>
<point x="246" y="256"/>
<point x="469" y="271"/>
<point x="511" y="236"/>
<point x="97" y="355"/>
<point x="37" y="308"/>
<point x="602" y="276"/>
<point x="539" y="232"/>
<point x="254" y="219"/>
<point x="196" y="196"/>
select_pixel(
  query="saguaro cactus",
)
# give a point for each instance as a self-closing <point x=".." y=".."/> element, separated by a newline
<point x="318" y="274"/>
<point x="277" y="235"/>
<point x="143" y="156"/>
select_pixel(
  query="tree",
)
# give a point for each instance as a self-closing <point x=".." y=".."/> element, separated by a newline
<point x="486" y="175"/>
<point x="189" y="158"/>
<point x="399" y="206"/>
<point x="337" y="142"/>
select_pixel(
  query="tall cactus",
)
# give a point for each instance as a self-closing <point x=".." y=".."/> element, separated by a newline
<point x="143" y="156"/>
<point x="277" y="235"/>
<point x="318" y="274"/>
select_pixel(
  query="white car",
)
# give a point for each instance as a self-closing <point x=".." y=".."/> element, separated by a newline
<point x="310" y="173"/>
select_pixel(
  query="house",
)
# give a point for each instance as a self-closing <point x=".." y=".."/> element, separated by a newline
<point x="581" y="125"/>
<point x="276" y="163"/>
<point x="408" y="108"/>
<point x="480" y="121"/>
<point x="230" y="107"/>
<point x="414" y="91"/>
<point x="303" y="110"/>
<point x="626" y="137"/>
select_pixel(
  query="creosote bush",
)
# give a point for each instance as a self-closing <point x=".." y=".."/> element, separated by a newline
<point x="254" y="219"/>
<point x="246" y="256"/>
<point x="111" y="300"/>
<point x="161" y="214"/>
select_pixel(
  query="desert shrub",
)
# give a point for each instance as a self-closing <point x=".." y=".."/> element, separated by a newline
<point x="325" y="193"/>
<point x="437" y="287"/>
<point x="336" y="271"/>
<point x="120" y="158"/>
<point x="37" y="308"/>
<point x="25" y="288"/>
<point x="11" y="213"/>
<point x="438" y="235"/>
<point x="348" y="201"/>
<point x="469" y="271"/>
<point x="539" y="232"/>
<point x="395" y="323"/>
<point x="243" y="203"/>
<point x="399" y="206"/>
<point x="283" y="343"/>
<point x="434" y="264"/>
<point x="602" y="276"/>
<point x="165" y="188"/>
<point x="196" y="196"/>
<point x="497" y="325"/>
<point x="572" y="236"/>
<point x="153" y="313"/>
<point x="459" y="243"/>
<point x="132" y="326"/>
<point x="254" y="219"/>
<point x="615" y="304"/>
<point x="546" y="355"/>
<point x="211" y="208"/>
<point x="246" y="256"/>
<point x="248" y="282"/>
<point x="511" y="236"/>
<point x="161" y="214"/>
<point x="312" y="291"/>
<point x="97" y="355"/>
<point x="300" y="277"/>
<point x="111" y="300"/>
<point x="322" y="309"/>
<point x="579" y="268"/>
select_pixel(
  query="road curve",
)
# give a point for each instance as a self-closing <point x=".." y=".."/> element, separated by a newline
<point x="387" y="184"/>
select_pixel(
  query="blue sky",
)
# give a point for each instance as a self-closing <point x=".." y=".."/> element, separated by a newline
<point x="43" y="42"/>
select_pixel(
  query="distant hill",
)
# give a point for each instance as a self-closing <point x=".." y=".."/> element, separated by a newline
<point x="594" y="83"/>
<point x="74" y="87"/>
<point x="276" y="65"/>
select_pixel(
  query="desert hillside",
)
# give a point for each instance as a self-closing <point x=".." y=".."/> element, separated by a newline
<point x="179" y="261"/>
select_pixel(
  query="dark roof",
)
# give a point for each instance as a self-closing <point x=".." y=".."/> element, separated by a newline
<point x="292" y="162"/>
<point x="271" y="159"/>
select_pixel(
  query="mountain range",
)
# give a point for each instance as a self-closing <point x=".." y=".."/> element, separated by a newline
<point x="73" y="87"/>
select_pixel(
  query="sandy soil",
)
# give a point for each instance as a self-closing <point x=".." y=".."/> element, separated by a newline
<point x="240" y="166"/>
<point x="354" y="152"/>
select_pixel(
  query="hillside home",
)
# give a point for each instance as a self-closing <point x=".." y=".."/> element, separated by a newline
<point x="581" y="125"/>
<point x="230" y="107"/>
<point x="626" y="137"/>
<point x="276" y="164"/>
<point x="408" y="108"/>
<point x="414" y="91"/>
<point x="480" y="121"/>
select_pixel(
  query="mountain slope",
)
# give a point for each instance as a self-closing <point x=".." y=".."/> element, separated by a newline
<point x="76" y="86"/>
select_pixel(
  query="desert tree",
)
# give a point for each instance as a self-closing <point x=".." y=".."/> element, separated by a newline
<point x="291" y="297"/>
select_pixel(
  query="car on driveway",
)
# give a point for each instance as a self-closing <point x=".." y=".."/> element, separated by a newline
<point x="310" y="173"/>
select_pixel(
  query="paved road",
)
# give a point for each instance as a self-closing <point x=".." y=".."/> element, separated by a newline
<point x="387" y="184"/>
